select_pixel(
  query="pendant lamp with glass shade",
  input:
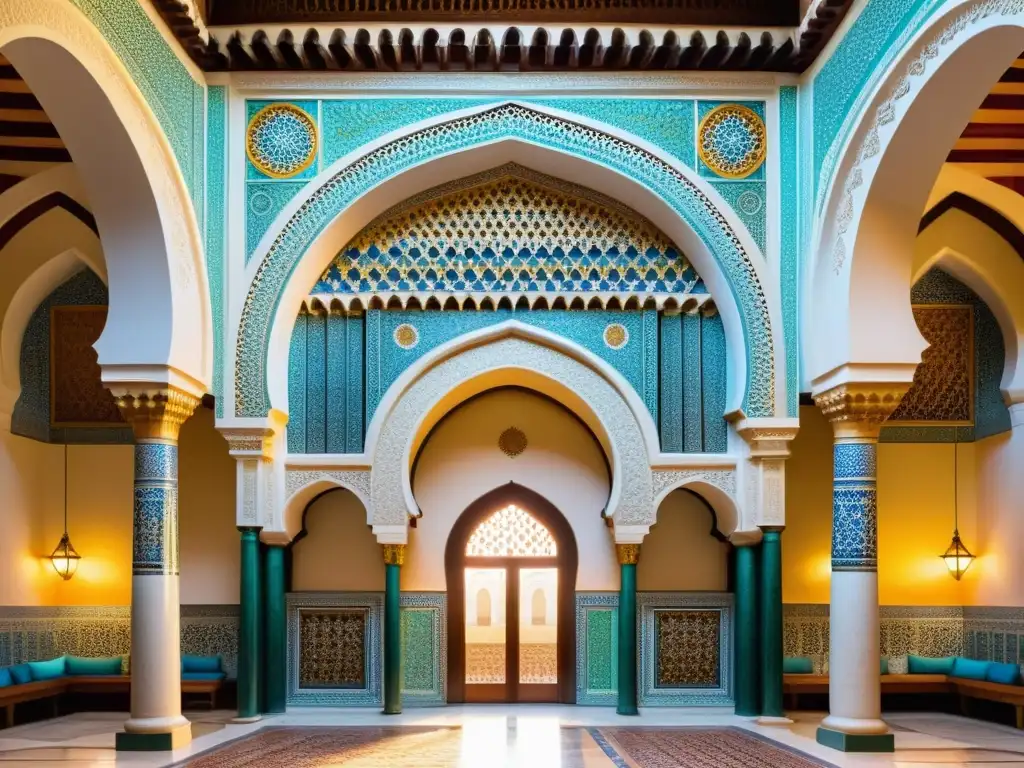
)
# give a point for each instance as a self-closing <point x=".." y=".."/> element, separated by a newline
<point x="958" y="558"/>
<point x="65" y="558"/>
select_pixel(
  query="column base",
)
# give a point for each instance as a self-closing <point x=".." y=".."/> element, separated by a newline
<point x="627" y="711"/>
<point x="856" y="742"/>
<point x="244" y="720"/>
<point x="772" y="720"/>
<point x="130" y="741"/>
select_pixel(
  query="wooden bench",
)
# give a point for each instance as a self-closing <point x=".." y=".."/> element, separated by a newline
<point x="53" y="689"/>
<point x="998" y="692"/>
<point x="795" y="685"/>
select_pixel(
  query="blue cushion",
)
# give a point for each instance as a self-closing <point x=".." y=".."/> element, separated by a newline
<point x="884" y="666"/>
<point x="20" y="674"/>
<point x="201" y="664"/>
<point x="202" y="675"/>
<point x="98" y="667"/>
<point x="1007" y="674"/>
<point x="926" y="665"/>
<point x="5" y="677"/>
<point x="970" y="669"/>
<point x="797" y="665"/>
<point x="48" y="670"/>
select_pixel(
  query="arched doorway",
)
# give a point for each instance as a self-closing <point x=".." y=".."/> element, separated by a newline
<point x="507" y="546"/>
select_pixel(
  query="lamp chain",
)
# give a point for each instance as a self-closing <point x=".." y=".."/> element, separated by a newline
<point x="65" y="487"/>
<point x="956" y="480"/>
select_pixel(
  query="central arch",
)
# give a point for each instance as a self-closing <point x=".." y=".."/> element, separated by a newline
<point x="357" y="188"/>
<point x="511" y="353"/>
<point x="457" y="561"/>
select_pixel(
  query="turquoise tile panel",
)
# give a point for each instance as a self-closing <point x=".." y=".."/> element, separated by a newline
<point x="337" y="376"/>
<point x="354" y="397"/>
<point x="693" y="397"/>
<point x="671" y="367"/>
<point x="713" y="370"/>
<point x="297" y="387"/>
<point x="316" y="383"/>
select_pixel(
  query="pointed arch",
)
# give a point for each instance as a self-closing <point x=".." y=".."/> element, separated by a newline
<point x="857" y="311"/>
<point x="159" y="324"/>
<point x="334" y="207"/>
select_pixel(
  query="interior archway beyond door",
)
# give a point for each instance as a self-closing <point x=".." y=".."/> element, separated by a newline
<point x="508" y="544"/>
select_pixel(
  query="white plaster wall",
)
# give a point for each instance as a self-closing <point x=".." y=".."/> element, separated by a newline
<point x="680" y="553"/>
<point x="999" y="570"/>
<point x="339" y="552"/>
<point x="210" y="544"/>
<point x="24" y="579"/>
<point x="461" y="461"/>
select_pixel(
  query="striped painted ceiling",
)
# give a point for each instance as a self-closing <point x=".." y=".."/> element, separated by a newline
<point x="28" y="141"/>
<point x="992" y="144"/>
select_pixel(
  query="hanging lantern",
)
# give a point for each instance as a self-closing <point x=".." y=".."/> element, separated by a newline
<point x="64" y="558"/>
<point x="958" y="558"/>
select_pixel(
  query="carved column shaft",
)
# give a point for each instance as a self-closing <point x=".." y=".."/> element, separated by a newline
<point x="156" y="721"/>
<point x="629" y="556"/>
<point x="394" y="557"/>
<point x="857" y="412"/>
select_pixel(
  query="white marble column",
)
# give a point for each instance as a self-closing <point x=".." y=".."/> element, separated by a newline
<point x="156" y="722"/>
<point x="854" y="722"/>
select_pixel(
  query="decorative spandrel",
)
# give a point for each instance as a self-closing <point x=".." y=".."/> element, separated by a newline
<point x="332" y="648"/>
<point x="511" y="532"/>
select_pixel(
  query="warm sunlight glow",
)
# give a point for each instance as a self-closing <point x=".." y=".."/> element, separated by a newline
<point x="511" y="532"/>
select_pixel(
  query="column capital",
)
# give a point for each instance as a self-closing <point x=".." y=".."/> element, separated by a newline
<point x="394" y="554"/>
<point x="253" y="438"/>
<point x="157" y="412"/>
<point x="746" y="538"/>
<point x="858" y="409"/>
<point x="628" y="554"/>
<point x="768" y="437"/>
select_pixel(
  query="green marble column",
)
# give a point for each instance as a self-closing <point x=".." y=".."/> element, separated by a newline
<point x="249" y="628"/>
<point x="747" y="666"/>
<point x="628" y="554"/>
<point x="771" y="624"/>
<point x="275" y="632"/>
<point x="394" y="556"/>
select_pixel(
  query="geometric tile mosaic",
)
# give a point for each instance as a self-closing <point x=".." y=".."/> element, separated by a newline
<point x="36" y="633"/>
<point x="903" y="630"/>
<point x="597" y="664"/>
<point x="685" y="642"/>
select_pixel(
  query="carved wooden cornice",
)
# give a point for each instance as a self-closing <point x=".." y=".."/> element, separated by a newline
<point x="504" y="35"/>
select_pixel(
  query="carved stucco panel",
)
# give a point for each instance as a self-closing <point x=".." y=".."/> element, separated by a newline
<point x="356" y="480"/>
<point x="723" y="479"/>
<point x="635" y="505"/>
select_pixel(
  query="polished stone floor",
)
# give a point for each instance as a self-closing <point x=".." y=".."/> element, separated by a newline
<point x="510" y="737"/>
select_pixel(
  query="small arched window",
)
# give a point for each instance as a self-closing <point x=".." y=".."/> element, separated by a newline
<point x="511" y="532"/>
<point x="483" y="608"/>
<point x="538" y="607"/>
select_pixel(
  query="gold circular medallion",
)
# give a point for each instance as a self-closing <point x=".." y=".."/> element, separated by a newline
<point x="616" y="335"/>
<point x="512" y="442"/>
<point x="281" y="140"/>
<point x="732" y="141"/>
<point x="406" y="336"/>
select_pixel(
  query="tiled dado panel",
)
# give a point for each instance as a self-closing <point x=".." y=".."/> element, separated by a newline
<point x="30" y="633"/>
<point x="685" y="648"/>
<point x="597" y="648"/>
<point x="917" y="630"/>
<point x="994" y="634"/>
<point x="336" y="648"/>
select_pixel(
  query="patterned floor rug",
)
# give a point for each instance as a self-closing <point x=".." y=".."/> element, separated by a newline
<point x="696" y="748"/>
<point x="320" y="747"/>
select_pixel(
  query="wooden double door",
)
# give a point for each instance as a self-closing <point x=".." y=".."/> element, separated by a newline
<point x="510" y="566"/>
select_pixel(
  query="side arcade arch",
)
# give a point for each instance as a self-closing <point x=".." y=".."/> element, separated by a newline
<point x="356" y="189"/>
<point x="857" y="310"/>
<point x="159" y="324"/>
